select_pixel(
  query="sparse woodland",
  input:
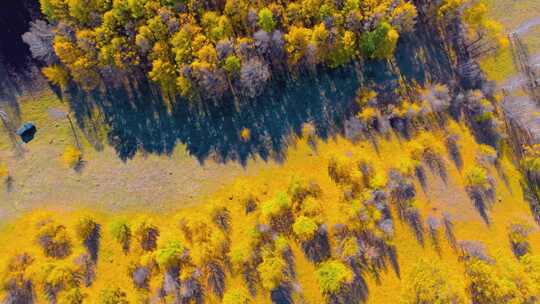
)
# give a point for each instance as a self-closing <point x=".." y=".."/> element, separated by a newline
<point x="323" y="236"/>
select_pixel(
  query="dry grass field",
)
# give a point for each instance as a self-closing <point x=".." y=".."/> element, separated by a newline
<point x="520" y="15"/>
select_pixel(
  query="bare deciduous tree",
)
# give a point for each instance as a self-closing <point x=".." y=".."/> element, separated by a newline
<point x="40" y="40"/>
<point x="253" y="76"/>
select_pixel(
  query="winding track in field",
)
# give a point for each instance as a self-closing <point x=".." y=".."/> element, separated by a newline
<point x="516" y="81"/>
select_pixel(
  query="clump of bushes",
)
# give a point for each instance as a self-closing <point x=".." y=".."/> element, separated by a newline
<point x="309" y="132"/>
<point x="425" y="147"/>
<point x="245" y="134"/>
<point x="237" y="296"/>
<point x="348" y="249"/>
<point x="476" y="176"/>
<point x="429" y="282"/>
<point x="473" y="250"/>
<point x="209" y="248"/>
<point x="305" y="228"/>
<point x="17" y="282"/>
<point x="370" y="215"/>
<point x="54" y="239"/>
<point x="354" y="175"/>
<point x="311" y="207"/>
<point x="86" y="228"/>
<point x="146" y="234"/>
<point x="486" y="284"/>
<point x="400" y="187"/>
<point x="369" y="116"/>
<point x="121" y="232"/>
<point x="113" y="295"/>
<point x="378" y="181"/>
<point x="88" y="231"/>
<point x="57" y="75"/>
<point x="300" y="189"/>
<point x="334" y="279"/>
<point x="273" y="271"/>
<point x="277" y="212"/>
<point x="531" y="162"/>
<point x="4" y="171"/>
<point x="72" y="157"/>
<point x="481" y="113"/>
<point x="246" y="196"/>
<point x="481" y="189"/>
<point x="406" y="166"/>
<point x="340" y="169"/>
<point x="171" y="255"/>
<point x="314" y="239"/>
<point x="452" y="143"/>
<point x="518" y="233"/>
<point x="437" y="97"/>
<point x="365" y="236"/>
<point x="57" y="278"/>
<point x="486" y="155"/>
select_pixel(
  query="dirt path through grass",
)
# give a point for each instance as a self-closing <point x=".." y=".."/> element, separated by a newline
<point x="527" y="26"/>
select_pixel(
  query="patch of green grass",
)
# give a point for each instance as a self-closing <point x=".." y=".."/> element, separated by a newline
<point x="35" y="109"/>
<point x="500" y="66"/>
<point x="45" y="111"/>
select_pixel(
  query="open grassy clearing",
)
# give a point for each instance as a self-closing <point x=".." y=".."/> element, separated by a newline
<point x="146" y="183"/>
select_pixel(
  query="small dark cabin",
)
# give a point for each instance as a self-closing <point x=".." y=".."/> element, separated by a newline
<point x="27" y="131"/>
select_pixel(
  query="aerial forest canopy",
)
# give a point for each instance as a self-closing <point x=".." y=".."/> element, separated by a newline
<point x="207" y="49"/>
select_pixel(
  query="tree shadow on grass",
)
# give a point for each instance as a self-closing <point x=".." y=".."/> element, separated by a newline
<point x="92" y="243"/>
<point x="481" y="204"/>
<point x="530" y="195"/>
<point x="139" y="119"/>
